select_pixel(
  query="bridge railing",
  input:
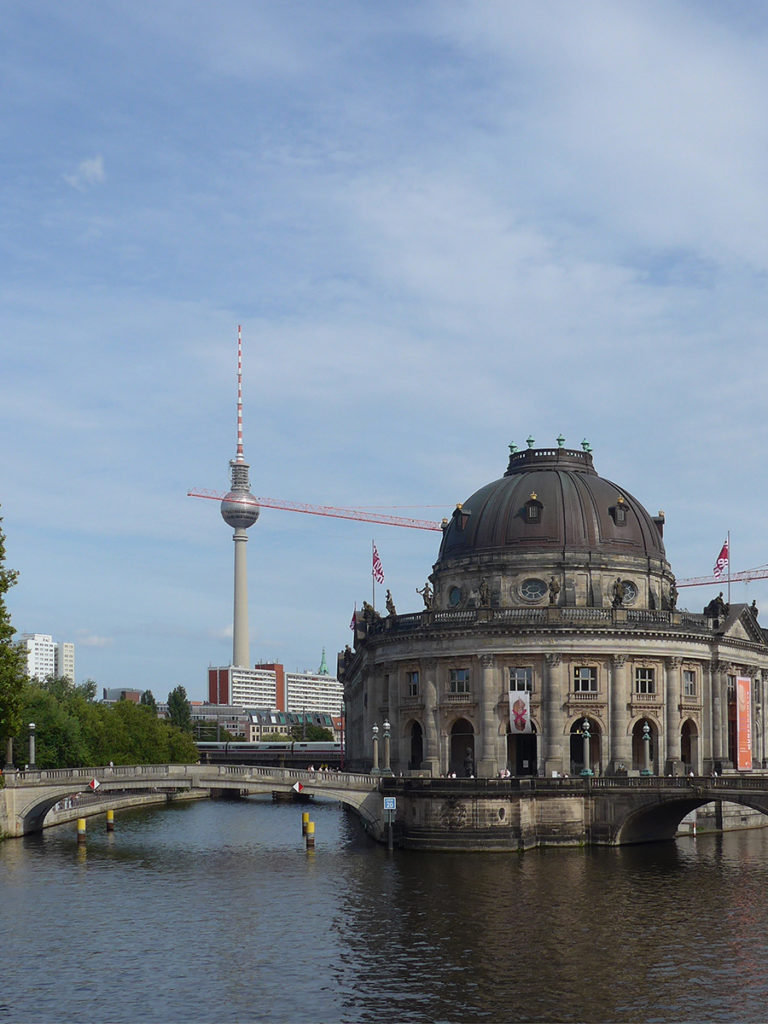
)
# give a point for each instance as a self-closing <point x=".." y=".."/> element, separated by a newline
<point x="155" y="773"/>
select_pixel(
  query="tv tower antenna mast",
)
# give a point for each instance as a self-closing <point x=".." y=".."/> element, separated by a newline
<point x="240" y="511"/>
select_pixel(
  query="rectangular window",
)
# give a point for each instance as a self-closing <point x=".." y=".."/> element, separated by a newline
<point x="731" y="687"/>
<point x="459" y="680"/>
<point x="412" y="682"/>
<point x="645" y="680"/>
<point x="584" y="679"/>
<point x="521" y="679"/>
<point x="689" y="683"/>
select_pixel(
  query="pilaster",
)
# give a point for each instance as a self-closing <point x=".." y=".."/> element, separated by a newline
<point x="486" y="765"/>
<point x="553" y="700"/>
<point x="621" y="741"/>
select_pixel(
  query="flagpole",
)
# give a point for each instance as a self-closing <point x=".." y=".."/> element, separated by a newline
<point x="729" y="567"/>
<point x="373" y="580"/>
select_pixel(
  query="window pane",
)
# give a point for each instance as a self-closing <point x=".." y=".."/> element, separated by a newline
<point x="521" y="679"/>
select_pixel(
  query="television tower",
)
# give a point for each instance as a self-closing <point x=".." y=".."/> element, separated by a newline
<point x="239" y="510"/>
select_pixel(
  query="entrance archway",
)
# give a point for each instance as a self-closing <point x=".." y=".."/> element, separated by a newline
<point x="417" y="747"/>
<point x="462" y="752"/>
<point x="638" y="754"/>
<point x="577" y="746"/>
<point x="689" y="746"/>
<point x="522" y="752"/>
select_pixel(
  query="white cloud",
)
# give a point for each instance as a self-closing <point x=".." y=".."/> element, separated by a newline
<point x="89" y="172"/>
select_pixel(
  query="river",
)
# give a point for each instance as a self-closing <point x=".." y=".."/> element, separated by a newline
<point x="216" y="912"/>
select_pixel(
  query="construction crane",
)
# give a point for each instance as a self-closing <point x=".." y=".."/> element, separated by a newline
<point x="760" y="573"/>
<point x="365" y="516"/>
<point x="329" y="510"/>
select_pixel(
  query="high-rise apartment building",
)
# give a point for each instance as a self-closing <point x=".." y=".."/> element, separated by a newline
<point x="46" y="658"/>
<point x="64" y="661"/>
<point x="270" y="686"/>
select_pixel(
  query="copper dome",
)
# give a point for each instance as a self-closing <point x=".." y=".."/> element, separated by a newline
<point x="552" y="500"/>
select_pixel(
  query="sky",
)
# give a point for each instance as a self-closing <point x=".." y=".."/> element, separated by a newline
<point x="443" y="227"/>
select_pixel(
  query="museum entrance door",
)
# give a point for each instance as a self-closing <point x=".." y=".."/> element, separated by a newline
<point x="417" y="747"/>
<point x="462" y="751"/>
<point x="577" y="746"/>
<point x="522" y="753"/>
<point x="689" y="747"/>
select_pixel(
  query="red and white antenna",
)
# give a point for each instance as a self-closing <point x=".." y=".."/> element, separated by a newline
<point x="240" y="457"/>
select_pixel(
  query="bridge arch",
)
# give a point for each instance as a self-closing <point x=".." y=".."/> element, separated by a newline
<point x="657" y="819"/>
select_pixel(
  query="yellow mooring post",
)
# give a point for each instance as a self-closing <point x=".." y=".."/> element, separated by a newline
<point x="304" y="822"/>
<point x="110" y="820"/>
<point x="310" y="835"/>
<point x="81" y="830"/>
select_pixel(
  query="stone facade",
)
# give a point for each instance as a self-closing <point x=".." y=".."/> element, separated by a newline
<point x="553" y="582"/>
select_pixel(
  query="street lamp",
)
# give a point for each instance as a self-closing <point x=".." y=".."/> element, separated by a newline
<point x="386" y="769"/>
<point x="646" y="769"/>
<point x="341" y="751"/>
<point x="375" y="766"/>
<point x="32" y="764"/>
<point x="586" y="770"/>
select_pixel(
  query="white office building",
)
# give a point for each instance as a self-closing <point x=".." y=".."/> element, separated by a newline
<point x="40" y="652"/>
<point x="64" y="661"/>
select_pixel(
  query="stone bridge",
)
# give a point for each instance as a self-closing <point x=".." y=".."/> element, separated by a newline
<point x="498" y="814"/>
<point x="29" y="796"/>
<point x="437" y="814"/>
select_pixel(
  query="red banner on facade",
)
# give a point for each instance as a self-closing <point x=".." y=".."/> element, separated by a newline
<point x="744" y="723"/>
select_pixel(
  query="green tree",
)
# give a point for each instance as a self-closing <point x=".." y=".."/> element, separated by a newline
<point x="311" y="733"/>
<point x="148" y="700"/>
<point x="12" y="665"/>
<point x="179" y="713"/>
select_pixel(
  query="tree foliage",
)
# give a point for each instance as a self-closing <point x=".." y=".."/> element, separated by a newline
<point x="148" y="700"/>
<point x="73" y="731"/>
<point x="311" y="733"/>
<point x="12" y="661"/>
<point x="179" y="713"/>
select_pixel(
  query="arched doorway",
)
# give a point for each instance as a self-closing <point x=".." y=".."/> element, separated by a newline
<point x="638" y="743"/>
<point x="689" y="746"/>
<point x="522" y="752"/>
<point x="577" y="746"/>
<point x="462" y="753"/>
<point x="417" y="747"/>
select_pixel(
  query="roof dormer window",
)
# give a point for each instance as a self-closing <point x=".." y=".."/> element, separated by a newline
<point x="533" y="509"/>
<point x="619" y="512"/>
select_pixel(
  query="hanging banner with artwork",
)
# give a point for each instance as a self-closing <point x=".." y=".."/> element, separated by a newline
<point x="744" y="723"/>
<point x="519" y="711"/>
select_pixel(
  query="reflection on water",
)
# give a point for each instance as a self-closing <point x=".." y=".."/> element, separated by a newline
<point x="216" y="912"/>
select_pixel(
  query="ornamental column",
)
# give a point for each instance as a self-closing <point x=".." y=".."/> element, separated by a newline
<point x="431" y="760"/>
<point x="621" y="741"/>
<point x="553" y="700"/>
<point x="486" y="765"/>
<point x="672" y="697"/>
<point x="720" y="712"/>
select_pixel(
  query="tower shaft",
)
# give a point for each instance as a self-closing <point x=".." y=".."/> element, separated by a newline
<point x="240" y="644"/>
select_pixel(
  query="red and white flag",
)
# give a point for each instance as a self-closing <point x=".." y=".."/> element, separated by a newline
<point x="721" y="565"/>
<point x="378" y="571"/>
<point x="353" y="621"/>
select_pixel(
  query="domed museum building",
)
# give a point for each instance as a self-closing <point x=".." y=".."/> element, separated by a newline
<point x="550" y="635"/>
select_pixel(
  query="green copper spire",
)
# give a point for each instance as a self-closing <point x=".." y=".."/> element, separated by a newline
<point x="323" y="670"/>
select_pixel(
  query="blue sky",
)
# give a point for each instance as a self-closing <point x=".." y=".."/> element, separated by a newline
<point x="443" y="227"/>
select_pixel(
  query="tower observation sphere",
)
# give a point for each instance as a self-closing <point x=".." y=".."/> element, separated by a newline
<point x="239" y="508"/>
